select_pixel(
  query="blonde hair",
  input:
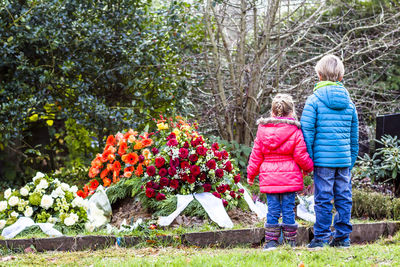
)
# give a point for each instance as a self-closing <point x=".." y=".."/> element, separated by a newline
<point x="330" y="68"/>
<point x="282" y="106"/>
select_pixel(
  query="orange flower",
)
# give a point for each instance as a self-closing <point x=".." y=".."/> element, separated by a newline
<point x="104" y="173"/>
<point x="93" y="185"/>
<point x="139" y="170"/>
<point x="131" y="158"/>
<point x="93" y="171"/>
<point x="127" y="174"/>
<point x="115" y="178"/>
<point x="138" y="145"/>
<point x="106" y="182"/>
<point x="111" y="157"/>
<point x="97" y="162"/>
<point x="117" y="166"/>
<point x="147" y="142"/>
<point x="146" y="153"/>
<point x="130" y="133"/>
<point x="146" y="162"/>
<point x="104" y="156"/>
<point x="129" y="169"/>
<point x="110" y="167"/>
<point x="110" y="140"/>
<point x="122" y="148"/>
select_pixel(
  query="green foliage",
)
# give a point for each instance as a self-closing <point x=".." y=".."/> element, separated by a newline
<point x="77" y="175"/>
<point x="124" y="188"/>
<point x="384" y="165"/>
<point x="375" y="206"/>
<point x="98" y="66"/>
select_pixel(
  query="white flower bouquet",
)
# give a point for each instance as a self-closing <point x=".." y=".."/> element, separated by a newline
<point x="44" y="200"/>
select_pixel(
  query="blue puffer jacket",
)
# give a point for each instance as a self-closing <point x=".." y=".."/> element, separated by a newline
<point x="330" y="127"/>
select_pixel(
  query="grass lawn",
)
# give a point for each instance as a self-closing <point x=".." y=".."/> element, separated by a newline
<point x="384" y="252"/>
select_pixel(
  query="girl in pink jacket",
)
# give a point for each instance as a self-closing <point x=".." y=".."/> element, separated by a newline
<point x="279" y="155"/>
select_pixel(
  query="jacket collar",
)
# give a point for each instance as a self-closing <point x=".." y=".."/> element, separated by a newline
<point x="275" y="120"/>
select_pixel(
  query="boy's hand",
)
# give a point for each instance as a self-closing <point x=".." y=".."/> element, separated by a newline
<point x="250" y="182"/>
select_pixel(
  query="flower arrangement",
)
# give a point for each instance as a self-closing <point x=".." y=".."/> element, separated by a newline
<point x="178" y="161"/>
<point x="125" y="154"/>
<point x="185" y="163"/>
<point x="44" y="200"/>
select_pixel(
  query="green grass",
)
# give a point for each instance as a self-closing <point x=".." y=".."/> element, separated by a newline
<point x="384" y="252"/>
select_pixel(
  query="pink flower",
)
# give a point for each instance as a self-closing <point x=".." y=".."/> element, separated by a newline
<point x="172" y="142"/>
<point x="241" y="191"/>
<point x="183" y="153"/>
<point x="141" y="158"/>
<point x="171" y="136"/>
<point x="155" y="151"/>
<point x="219" y="173"/>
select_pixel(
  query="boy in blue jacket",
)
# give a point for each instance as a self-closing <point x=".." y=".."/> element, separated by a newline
<point x="330" y="127"/>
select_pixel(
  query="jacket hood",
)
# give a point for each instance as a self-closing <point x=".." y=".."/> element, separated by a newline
<point x="276" y="131"/>
<point x="333" y="96"/>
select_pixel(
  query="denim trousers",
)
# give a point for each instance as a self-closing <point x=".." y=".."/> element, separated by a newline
<point x="282" y="203"/>
<point x="332" y="183"/>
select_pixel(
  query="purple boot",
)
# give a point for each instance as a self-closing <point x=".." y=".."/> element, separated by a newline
<point x="272" y="234"/>
<point x="290" y="234"/>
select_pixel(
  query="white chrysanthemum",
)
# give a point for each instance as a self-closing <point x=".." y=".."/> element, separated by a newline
<point x="13" y="201"/>
<point x="71" y="219"/>
<point x="64" y="186"/>
<point x="28" y="212"/>
<point x="52" y="220"/>
<point x="2" y="224"/>
<point x="43" y="184"/>
<point x="7" y="193"/>
<point x="14" y="214"/>
<point x="3" y="205"/>
<point x="47" y="202"/>
<point x="73" y="189"/>
<point x="77" y="202"/>
<point x="24" y="191"/>
<point x="38" y="176"/>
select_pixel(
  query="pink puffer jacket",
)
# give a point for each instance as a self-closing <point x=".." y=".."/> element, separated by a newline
<point x="278" y="155"/>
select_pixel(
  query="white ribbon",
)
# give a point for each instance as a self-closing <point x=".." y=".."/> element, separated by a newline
<point x="305" y="209"/>
<point x="182" y="202"/>
<point x="24" y="222"/>
<point x="259" y="208"/>
<point x="215" y="209"/>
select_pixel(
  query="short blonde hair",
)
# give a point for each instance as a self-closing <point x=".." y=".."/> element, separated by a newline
<point x="330" y="68"/>
<point x="283" y="105"/>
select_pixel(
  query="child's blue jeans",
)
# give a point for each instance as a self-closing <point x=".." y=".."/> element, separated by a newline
<point x="281" y="203"/>
<point x="332" y="183"/>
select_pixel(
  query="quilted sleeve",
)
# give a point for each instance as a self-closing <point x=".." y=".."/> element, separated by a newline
<point x="300" y="155"/>
<point x="308" y="124"/>
<point x="354" y="138"/>
<point x="256" y="158"/>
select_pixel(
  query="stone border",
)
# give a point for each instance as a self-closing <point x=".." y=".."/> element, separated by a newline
<point x="362" y="233"/>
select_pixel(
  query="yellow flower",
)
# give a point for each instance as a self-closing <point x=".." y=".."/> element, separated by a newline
<point x="185" y="127"/>
<point x="162" y="126"/>
<point x="176" y="132"/>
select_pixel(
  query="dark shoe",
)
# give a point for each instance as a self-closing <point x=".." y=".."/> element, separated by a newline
<point x="317" y="243"/>
<point x="340" y="242"/>
<point x="271" y="245"/>
<point x="289" y="234"/>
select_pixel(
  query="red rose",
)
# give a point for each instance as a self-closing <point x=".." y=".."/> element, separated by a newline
<point x="241" y="191"/>
<point x="172" y="171"/>
<point x="186" y="144"/>
<point x="216" y="194"/>
<point x="211" y="164"/>
<point x="164" y="181"/>
<point x="224" y="202"/>
<point x="160" y="161"/>
<point x="207" y="187"/>
<point x="172" y="142"/>
<point x="215" y="146"/>
<point x="232" y="193"/>
<point x="163" y="172"/>
<point x="156" y="186"/>
<point x="183" y="153"/>
<point x="219" y="173"/>
<point x="193" y="158"/>
<point x="195" y="170"/>
<point x="155" y="151"/>
<point x="225" y="154"/>
<point x="228" y="166"/>
<point x="221" y="189"/>
<point x="236" y="178"/>
<point x="94" y="184"/>
<point x="160" y="196"/>
<point x="203" y="176"/>
<point x="201" y="150"/>
<point x="218" y="155"/>
<point x="150" y="192"/>
<point x="174" y="163"/>
<point x="191" y="179"/>
<point x="151" y="170"/>
<point x="174" y="184"/>
<point x="149" y="184"/>
<point x="184" y="177"/>
<point x="185" y="165"/>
